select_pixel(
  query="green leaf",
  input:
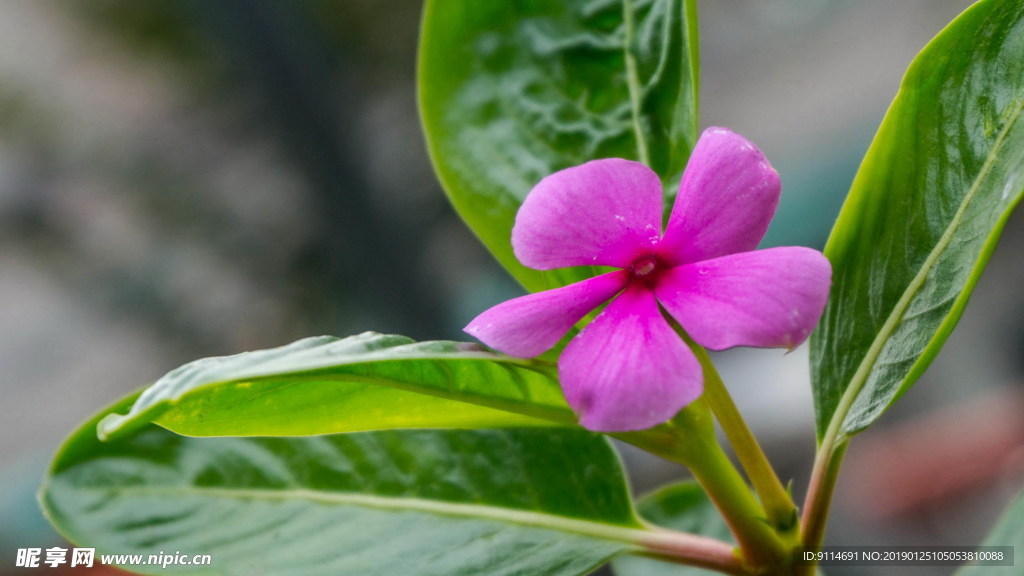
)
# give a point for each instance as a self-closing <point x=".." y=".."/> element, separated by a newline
<point x="1009" y="532"/>
<point x="684" y="507"/>
<point x="371" y="381"/>
<point x="924" y="214"/>
<point x="513" y="91"/>
<point x="423" y="502"/>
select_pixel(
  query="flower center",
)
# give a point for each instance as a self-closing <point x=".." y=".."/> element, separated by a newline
<point x="645" y="268"/>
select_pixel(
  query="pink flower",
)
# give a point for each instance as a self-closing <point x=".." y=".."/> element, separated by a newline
<point x="628" y="369"/>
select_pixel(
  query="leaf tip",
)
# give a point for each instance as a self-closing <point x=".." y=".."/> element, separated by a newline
<point x="110" y="427"/>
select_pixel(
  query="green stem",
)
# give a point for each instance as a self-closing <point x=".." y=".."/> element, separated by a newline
<point x="778" y="506"/>
<point x="689" y="439"/>
<point x="692" y="550"/>
<point x="724" y="484"/>
<point x="826" y="468"/>
<point x="819" y="492"/>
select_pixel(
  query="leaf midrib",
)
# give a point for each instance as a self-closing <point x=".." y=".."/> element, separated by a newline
<point x="631" y="536"/>
<point x="633" y="82"/>
<point x="559" y="415"/>
<point x="853" y="391"/>
<point x="553" y="414"/>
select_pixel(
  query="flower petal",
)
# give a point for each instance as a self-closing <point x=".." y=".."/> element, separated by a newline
<point x="628" y="370"/>
<point x="766" y="299"/>
<point x="529" y="325"/>
<point x="599" y="213"/>
<point x="726" y="199"/>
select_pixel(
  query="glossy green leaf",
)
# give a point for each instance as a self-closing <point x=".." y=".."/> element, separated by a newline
<point x="924" y="214"/>
<point x="513" y="91"/>
<point x="1009" y="532"/>
<point x="684" y="507"/>
<point x="412" y="502"/>
<point x="371" y="381"/>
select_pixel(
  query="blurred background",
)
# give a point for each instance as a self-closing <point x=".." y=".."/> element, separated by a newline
<point x="188" y="178"/>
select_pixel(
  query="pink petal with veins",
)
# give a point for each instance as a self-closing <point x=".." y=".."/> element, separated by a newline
<point x="529" y="325"/>
<point x="726" y="199"/>
<point x="767" y="299"/>
<point x="600" y="213"/>
<point x="628" y="370"/>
